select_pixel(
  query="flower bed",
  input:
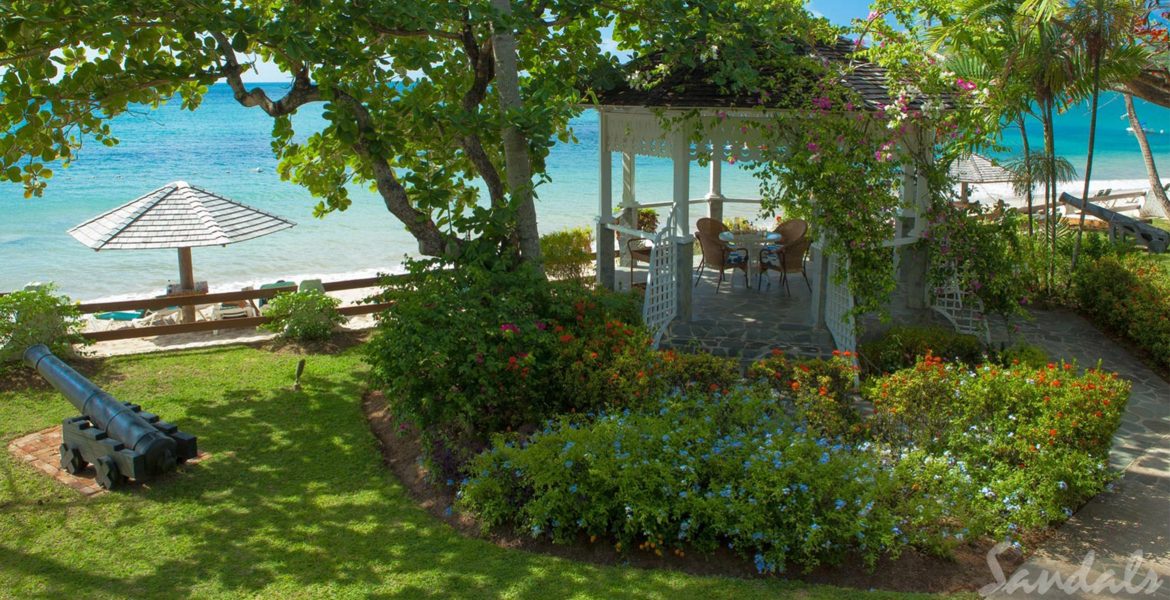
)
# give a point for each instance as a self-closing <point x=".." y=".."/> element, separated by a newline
<point x="1129" y="295"/>
<point x="951" y="454"/>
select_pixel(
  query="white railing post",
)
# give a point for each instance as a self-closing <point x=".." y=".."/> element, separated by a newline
<point x="605" y="238"/>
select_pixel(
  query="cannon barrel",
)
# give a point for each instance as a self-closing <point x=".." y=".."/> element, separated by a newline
<point x="119" y="421"/>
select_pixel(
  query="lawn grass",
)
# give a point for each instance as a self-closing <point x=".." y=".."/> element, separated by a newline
<point x="293" y="502"/>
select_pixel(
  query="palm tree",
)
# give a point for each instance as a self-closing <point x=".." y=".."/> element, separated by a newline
<point x="1151" y="169"/>
<point x="1103" y="28"/>
<point x="1045" y="60"/>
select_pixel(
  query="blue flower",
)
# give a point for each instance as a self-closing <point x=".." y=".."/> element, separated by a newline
<point x="568" y="464"/>
<point x="839" y="504"/>
<point x="573" y="489"/>
<point x="1062" y="485"/>
<point x="824" y="457"/>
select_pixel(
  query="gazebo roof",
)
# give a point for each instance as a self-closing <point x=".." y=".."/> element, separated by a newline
<point x="694" y="87"/>
<point x="975" y="168"/>
<point x="177" y="215"/>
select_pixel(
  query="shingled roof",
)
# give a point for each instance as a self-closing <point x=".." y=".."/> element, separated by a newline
<point x="975" y="168"/>
<point x="177" y="215"/>
<point x="693" y="87"/>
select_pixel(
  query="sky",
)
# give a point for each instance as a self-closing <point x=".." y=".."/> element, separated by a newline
<point x="837" y="11"/>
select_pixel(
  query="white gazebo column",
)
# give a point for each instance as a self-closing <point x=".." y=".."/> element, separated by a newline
<point x="605" y="238"/>
<point x="818" y="268"/>
<point x="629" y="216"/>
<point x="914" y="261"/>
<point x="715" y="191"/>
<point x="681" y="155"/>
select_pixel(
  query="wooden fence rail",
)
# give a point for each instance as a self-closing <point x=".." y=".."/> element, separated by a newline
<point x="218" y="298"/>
<point x="244" y="323"/>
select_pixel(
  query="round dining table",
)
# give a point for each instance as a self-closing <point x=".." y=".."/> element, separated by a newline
<point x="753" y="242"/>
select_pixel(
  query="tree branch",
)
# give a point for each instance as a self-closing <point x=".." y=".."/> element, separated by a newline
<point x="483" y="69"/>
<point x="431" y="241"/>
<point x="303" y="90"/>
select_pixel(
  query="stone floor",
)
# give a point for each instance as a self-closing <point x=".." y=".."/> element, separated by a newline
<point x="748" y="323"/>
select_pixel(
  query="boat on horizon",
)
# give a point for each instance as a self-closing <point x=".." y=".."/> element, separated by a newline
<point x="1145" y="128"/>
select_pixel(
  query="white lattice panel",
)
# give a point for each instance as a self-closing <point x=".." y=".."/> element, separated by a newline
<point x="964" y="311"/>
<point x="661" y="303"/>
<point x="839" y="308"/>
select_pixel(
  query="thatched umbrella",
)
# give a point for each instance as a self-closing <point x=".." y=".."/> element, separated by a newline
<point x="181" y="216"/>
<point x="974" y="168"/>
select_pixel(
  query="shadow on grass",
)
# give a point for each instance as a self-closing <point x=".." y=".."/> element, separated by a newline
<point x="294" y="501"/>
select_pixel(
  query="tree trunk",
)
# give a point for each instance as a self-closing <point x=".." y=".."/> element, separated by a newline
<point x="516" y="159"/>
<point x="1089" y="158"/>
<point x="1147" y="156"/>
<point x="1050" y="189"/>
<point x="1028" y="172"/>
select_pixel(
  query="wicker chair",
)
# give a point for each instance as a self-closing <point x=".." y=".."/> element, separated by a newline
<point x="790" y="231"/>
<point x="717" y="254"/>
<point x="789" y="259"/>
<point x="639" y="250"/>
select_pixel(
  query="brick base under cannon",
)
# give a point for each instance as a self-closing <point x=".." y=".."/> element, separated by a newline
<point x="41" y="451"/>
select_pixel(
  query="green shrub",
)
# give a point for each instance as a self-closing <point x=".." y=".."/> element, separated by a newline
<point x="700" y="471"/>
<point x="1036" y="440"/>
<point x="1130" y="296"/>
<point x="37" y="316"/>
<point x="901" y="346"/>
<point x="305" y="316"/>
<point x="697" y="370"/>
<point x="1022" y="353"/>
<point x="737" y="224"/>
<point x="567" y="253"/>
<point x="647" y="219"/>
<point x="466" y="353"/>
<point x="820" y="390"/>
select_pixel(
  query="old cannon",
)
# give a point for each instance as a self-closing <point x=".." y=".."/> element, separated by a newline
<point x="117" y="438"/>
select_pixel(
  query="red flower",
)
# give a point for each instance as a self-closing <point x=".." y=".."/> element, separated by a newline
<point x="566" y="338"/>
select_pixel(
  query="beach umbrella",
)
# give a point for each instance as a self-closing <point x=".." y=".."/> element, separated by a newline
<point x="177" y="215"/>
<point x="974" y="168"/>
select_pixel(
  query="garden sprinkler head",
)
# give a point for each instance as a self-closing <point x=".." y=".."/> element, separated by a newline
<point x="297" y="379"/>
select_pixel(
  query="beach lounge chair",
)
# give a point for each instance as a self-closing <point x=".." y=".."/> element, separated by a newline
<point x="163" y="316"/>
<point x="121" y="315"/>
<point x="312" y="285"/>
<point x="276" y="284"/>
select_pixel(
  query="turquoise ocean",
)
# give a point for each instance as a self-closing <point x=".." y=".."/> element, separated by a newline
<point x="224" y="148"/>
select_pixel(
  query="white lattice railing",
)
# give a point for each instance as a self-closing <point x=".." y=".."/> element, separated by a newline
<point x="839" y="308"/>
<point x="661" y="303"/>
<point x="963" y="310"/>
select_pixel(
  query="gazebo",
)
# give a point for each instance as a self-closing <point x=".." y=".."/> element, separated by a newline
<point x="662" y="121"/>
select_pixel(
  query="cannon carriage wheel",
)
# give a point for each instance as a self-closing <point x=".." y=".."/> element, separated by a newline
<point x="71" y="459"/>
<point x="108" y="475"/>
